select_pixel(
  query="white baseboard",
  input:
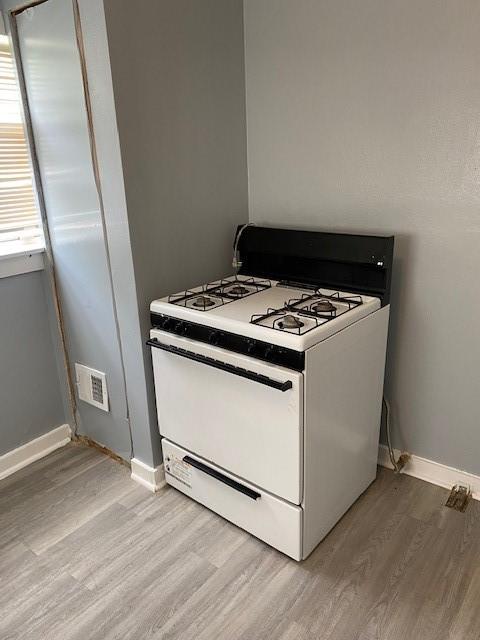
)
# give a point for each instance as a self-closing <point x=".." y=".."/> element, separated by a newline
<point x="432" y="472"/>
<point x="152" y="478"/>
<point x="34" y="450"/>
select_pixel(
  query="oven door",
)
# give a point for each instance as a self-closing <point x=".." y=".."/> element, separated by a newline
<point x="239" y="413"/>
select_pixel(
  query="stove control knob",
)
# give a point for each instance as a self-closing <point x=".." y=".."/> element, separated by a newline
<point x="251" y="344"/>
<point x="214" y="337"/>
<point x="269" y="350"/>
<point x="181" y="328"/>
<point x="166" y="323"/>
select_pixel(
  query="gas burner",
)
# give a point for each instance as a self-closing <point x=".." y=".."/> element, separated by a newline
<point x="203" y="302"/>
<point x="310" y="310"/>
<point x="323" y="306"/>
<point x="283" y="320"/>
<point x="289" y="322"/>
<point x="237" y="290"/>
<point x="200" y="299"/>
<point x="239" y="287"/>
<point x="218" y="293"/>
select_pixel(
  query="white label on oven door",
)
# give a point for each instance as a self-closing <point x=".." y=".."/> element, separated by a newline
<point x="179" y="469"/>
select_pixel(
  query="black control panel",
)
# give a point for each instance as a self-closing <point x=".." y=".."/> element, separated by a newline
<point x="231" y="341"/>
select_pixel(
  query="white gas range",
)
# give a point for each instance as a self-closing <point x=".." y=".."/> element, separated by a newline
<point x="269" y="387"/>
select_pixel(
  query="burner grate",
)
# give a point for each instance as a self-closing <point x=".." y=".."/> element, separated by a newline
<point x="218" y="293"/>
<point x="241" y="288"/>
<point x="312" y="306"/>
<point x="277" y="319"/>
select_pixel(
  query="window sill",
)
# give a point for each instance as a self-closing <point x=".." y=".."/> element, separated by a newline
<point x="25" y="261"/>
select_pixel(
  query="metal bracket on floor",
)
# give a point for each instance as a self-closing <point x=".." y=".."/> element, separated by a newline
<point x="459" y="498"/>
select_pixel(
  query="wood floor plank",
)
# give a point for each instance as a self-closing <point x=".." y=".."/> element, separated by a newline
<point x="377" y="600"/>
<point x="30" y="591"/>
<point x="340" y="576"/>
<point x="85" y="553"/>
<point x="67" y="468"/>
<point x="122" y="544"/>
<point x="465" y="623"/>
<point x="294" y="631"/>
<point x="51" y="511"/>
<point x="217" y="539"/>
<point x="140" y="606"/>
<point x="224" y="596"/>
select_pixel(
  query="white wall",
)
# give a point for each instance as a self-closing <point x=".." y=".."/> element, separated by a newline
<point x="365" y="117"/>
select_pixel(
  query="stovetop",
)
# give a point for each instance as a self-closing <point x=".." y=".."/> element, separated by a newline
<point x="271" y="311"/>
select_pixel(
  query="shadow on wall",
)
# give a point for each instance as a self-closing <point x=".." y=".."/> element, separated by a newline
<point x="395" y="350"/>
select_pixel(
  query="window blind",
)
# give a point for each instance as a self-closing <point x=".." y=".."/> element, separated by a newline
<point x="20" y="227"/>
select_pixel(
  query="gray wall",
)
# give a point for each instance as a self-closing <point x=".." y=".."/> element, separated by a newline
<point x="180" y="99"/>
<point x="141" y="409"/>
<point x="55" y="93"/>
<point x="179" y="86"/>
<point x="364" y="117"/>
<point x="30" y="398"/>
<point x="183" y="147"/>
<point x="142" y="414"/>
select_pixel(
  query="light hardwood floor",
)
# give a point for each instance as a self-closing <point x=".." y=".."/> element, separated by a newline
<point x="87" y="554"/>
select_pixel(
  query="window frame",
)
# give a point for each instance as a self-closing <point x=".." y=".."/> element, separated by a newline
<point x="17" y="256"/>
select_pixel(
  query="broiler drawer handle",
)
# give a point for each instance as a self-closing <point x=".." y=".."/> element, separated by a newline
<point x="254" y="495"/>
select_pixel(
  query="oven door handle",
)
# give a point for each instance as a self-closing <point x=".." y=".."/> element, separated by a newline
<point x="254" y="495"/>
<point x="224" y="366"/>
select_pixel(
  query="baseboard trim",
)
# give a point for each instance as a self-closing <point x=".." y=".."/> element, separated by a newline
<point x="152" y="478"/>
<point x="433" y="472"/>
<point x="34" y="450"/>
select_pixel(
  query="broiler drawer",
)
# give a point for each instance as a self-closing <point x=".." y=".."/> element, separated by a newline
<point x="267" y="517"/>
